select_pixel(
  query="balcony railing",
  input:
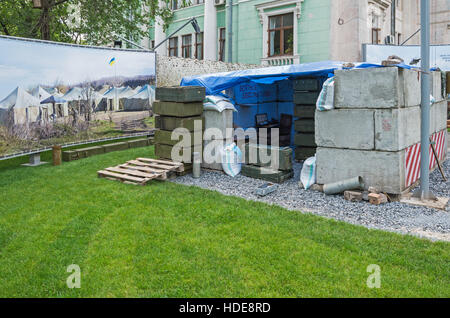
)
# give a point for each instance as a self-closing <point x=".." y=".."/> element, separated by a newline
<point x="280" y="60"/>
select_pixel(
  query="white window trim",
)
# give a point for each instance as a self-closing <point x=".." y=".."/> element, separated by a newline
<point x="265" y="22"/>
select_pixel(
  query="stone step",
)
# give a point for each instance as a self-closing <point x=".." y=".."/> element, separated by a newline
<point x="266" y="174"/>
<point x="306" y="84"/>
<point x="303" y="153"/>
<point x="305" y="98"/>
<point x="304" y="111"/>
<point x="178" y="109"/>
<point x="304" y="125"/>
<point x="171" y="123"/>
<point x="305" y="139"/>
<point x="180" y="94"/>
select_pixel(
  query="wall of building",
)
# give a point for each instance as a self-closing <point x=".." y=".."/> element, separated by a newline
<point x="170" y="70"/>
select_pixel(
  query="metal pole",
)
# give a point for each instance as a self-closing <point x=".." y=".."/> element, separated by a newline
<point x="393" y="18"/>
<point x="424" y="191"/>
<point x="230" y="31"/>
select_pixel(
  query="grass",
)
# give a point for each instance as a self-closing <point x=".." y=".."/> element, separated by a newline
<point x="169" y="240"/>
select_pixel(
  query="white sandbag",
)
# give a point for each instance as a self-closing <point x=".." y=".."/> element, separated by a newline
<point x="231" y="159"/>
<point x="326" y="96"/>
<point x="308" y="173"/>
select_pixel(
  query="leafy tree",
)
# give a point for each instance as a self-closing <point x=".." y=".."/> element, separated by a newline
<point x="80" y="21"/>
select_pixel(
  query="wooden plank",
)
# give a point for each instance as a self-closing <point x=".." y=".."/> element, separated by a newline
<point x="162" y="173"/>
<point x="106" y="174"/>
<point x="153" y="165"/>
<point x="166" y="162"/>
<point x="178" y="166"/>
<point x="134" y="173"/>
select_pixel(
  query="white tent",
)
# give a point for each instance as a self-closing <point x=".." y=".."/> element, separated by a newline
<point x="22" y="106"/>
<point x="114" y="94"/>
<point x="142" y="100"/>
<point x="41" y="94"/>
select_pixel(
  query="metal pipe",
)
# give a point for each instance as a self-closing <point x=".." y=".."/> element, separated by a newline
<point x="196" y="165"/>
<point x="424" y="191"/>
<point x="393" y="17"/>
<point x="344" y="185"/>
<point x="230" y="31"/>
<point x="409" y="38"/>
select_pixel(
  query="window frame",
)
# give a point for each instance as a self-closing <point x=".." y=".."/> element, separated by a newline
<point x="173" y="48"/>
<point x="222" y="44"/>
<point x="281" y="29"/>
<point x="199" y="44"/>
<point x="188" y="46"/>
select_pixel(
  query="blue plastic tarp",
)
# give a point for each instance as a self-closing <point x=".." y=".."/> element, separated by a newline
<point x="216" y="83"/>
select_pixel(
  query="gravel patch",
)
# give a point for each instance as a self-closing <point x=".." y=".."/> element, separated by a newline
<point x="397" y="217"/>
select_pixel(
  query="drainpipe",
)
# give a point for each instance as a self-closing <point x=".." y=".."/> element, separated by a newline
<point x="230" y="31"/>
<point x="393" y="17"/>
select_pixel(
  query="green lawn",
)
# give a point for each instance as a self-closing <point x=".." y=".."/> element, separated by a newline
<point x="168" y="240"/>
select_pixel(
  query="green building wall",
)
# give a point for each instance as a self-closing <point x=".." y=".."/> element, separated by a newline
<point x="313" y="29"/>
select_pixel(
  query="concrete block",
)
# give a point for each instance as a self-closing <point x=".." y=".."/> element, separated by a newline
<point x="386" y="87"/>
<point x="177" y="109"/>
<point x="306" y="84"/>
<point x="114" y="147"/>
<point x="138" y="143"/>
<point x="222" y="121"/>
<point x="438" y="116"/>
<point x="397" y="129"/>
<point x="171" y="123"/>
<point x="180" y="94"/>
<point x="303" y="153"/>
<point x="305" y="98"/>
<point x="304" y="111"/>
<point x="305" y="139"/>
<point x="384" y="170"/>
<point x="212" y="158"/>
<point x="165" y="137"/>
<point x="436" y="86"/>
<point x="345" y="128"/>
<point x="91" y="151"/>
<point x="69" y="155"/>
<point x="304" y="125"/>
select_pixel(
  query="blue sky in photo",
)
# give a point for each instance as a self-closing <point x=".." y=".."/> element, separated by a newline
<point x="28" y="64"/>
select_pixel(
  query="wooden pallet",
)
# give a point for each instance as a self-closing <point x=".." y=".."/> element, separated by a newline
<point x="141" y="170"/>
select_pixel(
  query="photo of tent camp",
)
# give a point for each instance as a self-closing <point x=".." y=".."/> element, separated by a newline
<point x="66" y="92"/>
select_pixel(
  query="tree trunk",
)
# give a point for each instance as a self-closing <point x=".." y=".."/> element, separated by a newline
<point x="45" y="24"/>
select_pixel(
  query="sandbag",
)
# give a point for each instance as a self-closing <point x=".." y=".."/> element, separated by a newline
<point x="231" y="159"/>
<point x="308" y="173"/>
<point x="326" y="96"/>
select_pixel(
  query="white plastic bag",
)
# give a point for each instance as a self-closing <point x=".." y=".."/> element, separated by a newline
<point x="326" y="96"/>
<point x="308" y="173"/>
<point x="231" y="159"/>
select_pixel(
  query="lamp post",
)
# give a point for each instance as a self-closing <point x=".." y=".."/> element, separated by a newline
<point x="424" y="192"/>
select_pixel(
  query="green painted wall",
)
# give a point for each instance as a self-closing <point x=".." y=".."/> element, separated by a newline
<point x="313" y="29"/>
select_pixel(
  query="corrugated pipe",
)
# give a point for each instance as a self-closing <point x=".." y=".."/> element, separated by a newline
<point x="344" y="185"/>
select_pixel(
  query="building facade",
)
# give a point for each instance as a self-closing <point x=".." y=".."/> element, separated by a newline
<point x="279" y="32"/>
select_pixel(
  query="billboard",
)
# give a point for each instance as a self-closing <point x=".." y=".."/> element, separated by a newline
<point x="67" y="92"/>
<point x="439" y="54"/>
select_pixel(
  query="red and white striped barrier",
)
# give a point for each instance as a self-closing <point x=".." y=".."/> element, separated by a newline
<point x="413" y="157"/>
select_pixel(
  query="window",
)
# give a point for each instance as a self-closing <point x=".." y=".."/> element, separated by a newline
<point x="186" y="46"/>
<point x="173" y="46"/>
<point x="399" y="38"/>
<point x="281" y="34"/>
<point x="222" y="36"/>
<point x="200" y="1"/>
<point x="376" y="35"/>
<point x="199" y="46"/>
<point x="152" y="44"/>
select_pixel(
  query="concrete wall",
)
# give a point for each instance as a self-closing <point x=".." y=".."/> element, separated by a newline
<point x="170" y="70"/>
<point x="376" y="119"/>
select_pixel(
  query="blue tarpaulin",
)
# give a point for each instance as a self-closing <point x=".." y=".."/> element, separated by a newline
<point x="216" y="83"/>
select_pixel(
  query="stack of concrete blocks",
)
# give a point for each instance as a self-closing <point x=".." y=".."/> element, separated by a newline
<point x="218" y="133"/>
<point x="306" y="92"/>
<point x="259" y="168"/>
<point x="375" y="122"/>
<point x="178" y="107"/>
